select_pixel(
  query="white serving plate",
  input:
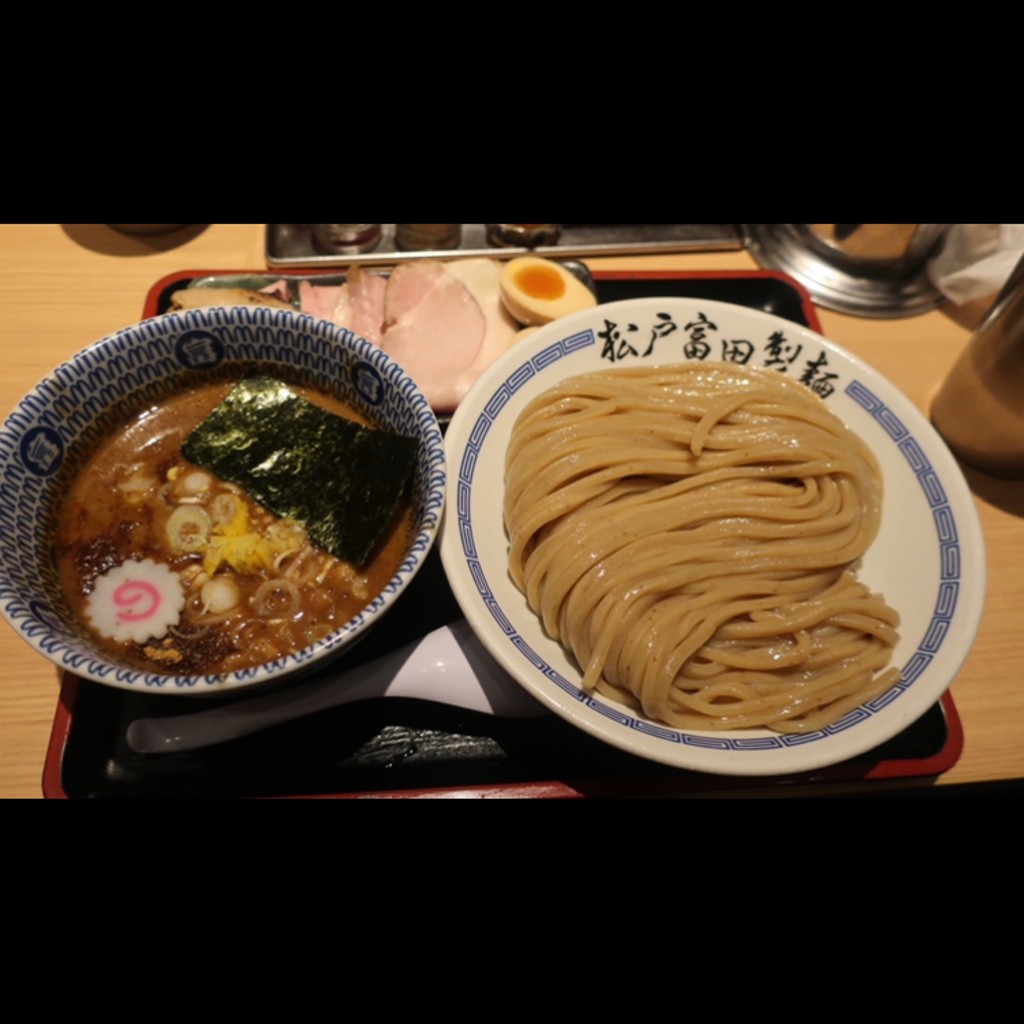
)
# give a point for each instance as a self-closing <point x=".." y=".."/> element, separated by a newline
<point x="928" y="559"/>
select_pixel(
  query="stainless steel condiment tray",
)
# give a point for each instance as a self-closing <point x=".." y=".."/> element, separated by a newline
<point x="291" y="245"/>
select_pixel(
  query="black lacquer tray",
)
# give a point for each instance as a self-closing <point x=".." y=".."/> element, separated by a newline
<point x="406" y="748"/>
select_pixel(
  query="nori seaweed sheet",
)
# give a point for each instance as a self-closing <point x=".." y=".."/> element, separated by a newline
<point x="343" y="481"/>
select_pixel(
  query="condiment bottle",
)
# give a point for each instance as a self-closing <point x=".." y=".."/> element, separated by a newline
<point x="410" y="237"/>
<point x="528" y="235"/>
<point x="979" y="408"/>
<point x="346" y="239"/>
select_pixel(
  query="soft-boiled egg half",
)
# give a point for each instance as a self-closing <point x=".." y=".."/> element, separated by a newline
<point x="536" y="291"/>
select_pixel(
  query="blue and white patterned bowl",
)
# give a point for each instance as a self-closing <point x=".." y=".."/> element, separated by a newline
<point x="57" y="424"/>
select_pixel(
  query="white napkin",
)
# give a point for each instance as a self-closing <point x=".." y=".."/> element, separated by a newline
<point x="975" y="260"/>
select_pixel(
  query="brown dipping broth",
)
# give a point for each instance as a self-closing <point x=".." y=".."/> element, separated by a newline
<point x="117" y="508"/>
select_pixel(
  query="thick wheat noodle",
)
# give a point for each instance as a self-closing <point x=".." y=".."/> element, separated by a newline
<point x="691" y="535"/>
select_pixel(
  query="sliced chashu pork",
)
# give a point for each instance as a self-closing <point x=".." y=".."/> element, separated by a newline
<point x="203" y="298"/>
<point x="433" y="328"/>
<point x="319" y="299"/>
<point x="360" y="304"/>
<point x="483" y="279"/>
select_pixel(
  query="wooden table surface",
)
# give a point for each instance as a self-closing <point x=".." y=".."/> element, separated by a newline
<point x="64" y="286"/>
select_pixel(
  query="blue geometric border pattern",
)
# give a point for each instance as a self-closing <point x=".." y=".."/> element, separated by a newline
<point x="928" y="648"/>
<point x="945" y="528"/>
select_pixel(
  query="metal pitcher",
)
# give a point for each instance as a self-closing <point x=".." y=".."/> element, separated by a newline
<point x="867" y="269"/>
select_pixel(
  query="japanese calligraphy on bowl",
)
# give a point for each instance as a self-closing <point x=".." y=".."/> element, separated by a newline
<point x="928" y="559"/>
<point x="702" y="339"/>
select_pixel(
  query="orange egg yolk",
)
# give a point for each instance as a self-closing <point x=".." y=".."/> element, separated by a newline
<point x="541" y="283"/>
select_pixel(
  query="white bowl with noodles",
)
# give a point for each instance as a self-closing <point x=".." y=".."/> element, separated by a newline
<point x="45" y="439"/>
<point x="927" y="560"/>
